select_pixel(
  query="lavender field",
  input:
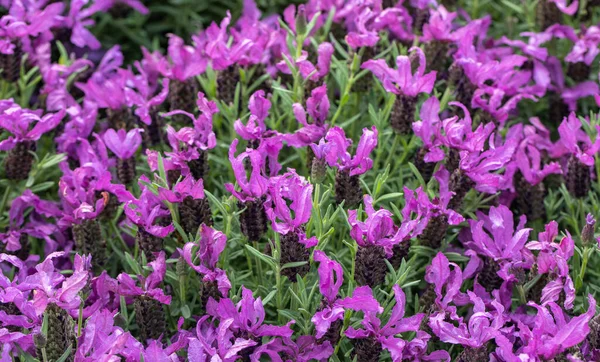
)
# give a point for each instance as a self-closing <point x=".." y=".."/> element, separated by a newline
<point x="327" y="180"/>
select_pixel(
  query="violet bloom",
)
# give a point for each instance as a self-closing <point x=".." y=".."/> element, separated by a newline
<point x="143" y="97"/>
<point x="361" y="36"/>
<point x="484" y="167"/>
<point x="403" y="80"/>
<point x="553" y="260"/>
<point x="53" y="288"/>
<point x="150" y="285"/>
<point x="385" y="337"/>
<point x="378" y="229"/>
<point x="101" y="339"/>
<point x="212" y="343"/>
<point x="297" y="192"/>
<point x="570" y="9"/>
<point x="340" y="157"/>
<point x="482" y="327"/>
<point x="36" y="226"/>
<point x="25" y="125"/>
<point x="78" y="20"/>
<point x="56" y="82"/>
<point x="571" y="95"/>
<point x="304" y="349"/>
<point x="585" y="48"/>
<point x="495" y="237"/>
<point x="255" y="127"/>
<point x="186" y="61"/>
<point x="318" y="109"/>
<point x="307" y="69"/>
<point x="574" y="141"/>
<point x="218" y="47"/>
<point x="247" y="317"/>
<point x="145" y="211"/>
<point x="210" y="245"/>
<point x="491" y="101"/>
<point x="203" y="125"/>
<point x="553" y="332"/>
<point x="108" y="89"/>
<point x="79" y="203"/>
<point x="446" y="278"/>
<point x="428" y="128"/>
<point x="440" y="27"/>
<point x="253" y="187"/>
<point x="122" y="143"/>
<point x="331" y="277"/>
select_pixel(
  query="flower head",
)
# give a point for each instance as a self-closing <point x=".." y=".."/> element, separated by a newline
<point x="122" y="143"/>
<point x="297" y="192"/>
<point x="255" y="186"/>
<point x="402" y="80"/>
<point x="25" y="124"/>
<point x="341" y="158"/>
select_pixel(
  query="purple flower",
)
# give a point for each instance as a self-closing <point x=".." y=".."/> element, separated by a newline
<point x="216" y="44"/>
<point x="480" y="166"/>
<point x="502" y="242"/>
<point x="585" y="48"/>
<point x="143" y="97"/>
<point x="569" y="95"/>
<point x="402" y="80"/>
<point x="122" y="143"/>
<point x="203" y="125"/>
<point x="297" y="192"/>
<point x="362" y="37"/>
<point x="339" y="155"/>
<point x="101" y="339"/>
<point x="247" y="317"/>
<point x="574" y="141"/>
<point x="55" y="84"/>
<point x="144" y="211"/>
<point x="482" y="326"/>
<point x="567" y="9"/>
<point x="386" y="335"/>
<point x="490" y="100"/>
<point x="331" y="277"/>
<point x="212" y="343"/>
<point x="458" y="132"/>
<point x="150" y="285"/>
<point x="428" y="128"/>
<point x="318" y="109"/>
<point x="186" y="61"/>
<point x="210" y="245"/>
<point x="251" y="188"/>
<point x="304" y="349"/>
<point x="255" y="128"/>
<point x="378" y="228"/>
<point x="306" y="68"/>
<point x="439" y="26"/>
<point x="19" y="122"/>
<point x="52" y="287"/>
<point x="553" y="258"/>
<point x="553" y="332"/>
<point x="528" y="158"/>
<point x="446" y="282"/>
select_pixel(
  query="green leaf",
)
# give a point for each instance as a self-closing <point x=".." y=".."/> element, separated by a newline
<point x="133" y="264"/>
<point x="185" y="311"/>
<point x="267" y="259"/>
<point x="65" y="355"/>
<point x="215" y="201"/>
<point x="417" y="175"/>
<point x="293" y="264"/>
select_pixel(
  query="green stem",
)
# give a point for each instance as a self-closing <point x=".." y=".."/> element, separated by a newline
<point x="393" y="150"/>
<point x="5" y="198"/>
<point x="278" y="281"/>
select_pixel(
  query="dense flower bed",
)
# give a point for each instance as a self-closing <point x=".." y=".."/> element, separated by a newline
<point x="354" y="179"/>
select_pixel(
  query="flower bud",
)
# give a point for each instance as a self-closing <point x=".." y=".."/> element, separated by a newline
<point x="301" y="21"/>
<point x="587" y="234"/>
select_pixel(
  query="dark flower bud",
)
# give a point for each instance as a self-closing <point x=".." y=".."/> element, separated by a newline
<point x="19" y="161"/>
<point x="199" y="167"/>
<point x="183" y="96"/>
<point x="193" y="213"/>
<point x="227" y="82"/>
<point x="587" y="234"/>
<point x="150" y="318"/>
<point x="347" y="189"/>
<point x="61" y="333"/>
<point x="126" y="170"/>
<point x="88" y="240"/>
<point x="578" y="178"/>
<point x="253" y="220"/>
<point x="470" y="354"/>
<point x="370" y="265"/>
<point x="148" y="243"/>
<point x="435" y="231"/>
<point x="403" y="113"/>
<point x="367" y="349"/>
<point x="293" y="251"/>
<point x="11" y="63"/>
